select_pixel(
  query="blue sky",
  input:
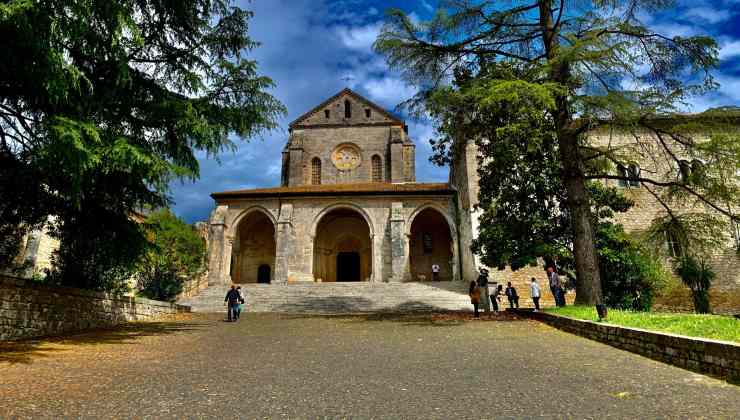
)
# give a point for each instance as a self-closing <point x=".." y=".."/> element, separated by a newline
<point x="310" y="46"/>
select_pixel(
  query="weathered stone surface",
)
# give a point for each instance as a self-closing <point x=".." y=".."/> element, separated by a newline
<point x="32" y="310"/>
<point x="701" y="355"/>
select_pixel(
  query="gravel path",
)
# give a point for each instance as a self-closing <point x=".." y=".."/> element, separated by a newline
<point x="283" y="366"/>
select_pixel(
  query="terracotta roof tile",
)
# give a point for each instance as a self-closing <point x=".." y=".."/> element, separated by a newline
<point x="372" y="188"/>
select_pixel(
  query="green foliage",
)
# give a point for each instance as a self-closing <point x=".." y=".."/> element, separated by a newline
<point x="630" y="274"/>
<point x="103" y="104"/>
<point x="697" y="275"/>
<point x="715" y="327"/>
<point x="531" y="81"/>
<point x="177" y="253"/>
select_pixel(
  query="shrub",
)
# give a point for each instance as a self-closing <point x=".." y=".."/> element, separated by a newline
<point x="630" y="274"/>
<point x="697" y="276"/>
<point x="177" y="253"/>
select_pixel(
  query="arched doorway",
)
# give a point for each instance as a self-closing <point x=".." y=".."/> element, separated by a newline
<point x="253" y="251"/>
<point x="342" y="247"/>
<point x="263" y="273"/>
<point x="430" y="243"/>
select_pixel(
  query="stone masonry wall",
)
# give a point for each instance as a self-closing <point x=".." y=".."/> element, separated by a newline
<point x="31" y="310"/>
<point x="706" y="356"/>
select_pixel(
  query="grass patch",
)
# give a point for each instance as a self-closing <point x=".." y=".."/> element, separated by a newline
<point x="715" y="327"/>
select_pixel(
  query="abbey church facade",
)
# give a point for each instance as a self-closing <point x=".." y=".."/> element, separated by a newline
<point x="348" y="208"/>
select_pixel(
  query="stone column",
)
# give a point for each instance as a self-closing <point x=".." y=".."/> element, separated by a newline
<point x="216" y="246"/>
<point x="377" y="243"/>
<point x="399" y="256"/>
<point x="283" y="243"/>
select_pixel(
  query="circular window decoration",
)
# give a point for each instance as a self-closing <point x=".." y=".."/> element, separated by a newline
<point x="346" y="156"/>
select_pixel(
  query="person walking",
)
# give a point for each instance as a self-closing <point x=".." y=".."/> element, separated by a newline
<point x="232" y="300"/>
<point x="512" y="296"/>
<point x="534" y="292"/>
<point x="483" y="284"/>
<point x="474" y="293"/>
<point x="555" y="286"/>
<point x="435" y="272"/>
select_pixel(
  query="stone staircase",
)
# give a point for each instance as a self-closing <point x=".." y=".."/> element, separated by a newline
<point x="339" y="297"/>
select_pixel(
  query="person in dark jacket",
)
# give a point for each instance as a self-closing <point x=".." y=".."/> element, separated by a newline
<point x="232" y="300"/>
<point x="512" y="296"/>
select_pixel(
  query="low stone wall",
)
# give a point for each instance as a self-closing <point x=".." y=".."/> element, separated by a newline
<point x="719" y="358"/>
<point x="193" y="286"/>
<point x="28" y="309"/>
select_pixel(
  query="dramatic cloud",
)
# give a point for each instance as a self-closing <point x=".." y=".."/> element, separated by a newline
<point x="314" y="48"/>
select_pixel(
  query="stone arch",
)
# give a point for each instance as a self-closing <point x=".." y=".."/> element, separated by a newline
<point x="342" y="245"/>
<point x="242" y="214"/>
<point x="430" y="244"/>
<point x="349" y="206"/>
<point x="254" y="233"/>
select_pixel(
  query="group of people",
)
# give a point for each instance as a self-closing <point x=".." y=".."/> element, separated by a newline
<point x="479" y="293"/>
<point x="234" y="300"/>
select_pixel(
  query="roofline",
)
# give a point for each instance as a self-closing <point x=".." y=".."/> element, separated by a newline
<point x="365" y="124"/>
<point x="224" y="196"/>
<point x="351" y="93"/>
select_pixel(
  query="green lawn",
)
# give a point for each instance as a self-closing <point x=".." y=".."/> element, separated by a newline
<point x="707" y="326"/>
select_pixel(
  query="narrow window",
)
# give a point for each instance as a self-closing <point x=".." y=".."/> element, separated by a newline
<point x="674" y="245"/>
<point x="736" y="225"/>
<point x="347" y="109"/>
<point x="630" y="174"/>
<point x="367" y="113"/>
<point x="427" y="243"/>
<point x="377" y="169"/>
<point x="622" y="171"/>
<point x="327" y="113"/>
<point x="634" y="173"/>
<point x="316" y="171"/>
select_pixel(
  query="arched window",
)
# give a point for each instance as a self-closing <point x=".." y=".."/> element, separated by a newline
<point x="316" y="171"/>
<point x="347" y="109"/>
<point x="327" y="113"/>
<point x="377" y="165"/>
<point x="631" y="172"/>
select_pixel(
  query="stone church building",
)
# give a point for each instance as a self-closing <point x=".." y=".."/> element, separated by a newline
<point x="348" y="208"/>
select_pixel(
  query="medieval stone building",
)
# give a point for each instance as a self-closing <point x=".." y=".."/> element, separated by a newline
<point x="349" y="209"/>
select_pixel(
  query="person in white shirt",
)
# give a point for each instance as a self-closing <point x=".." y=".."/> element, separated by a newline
<point x="435" y="272"/>
<point x="534" y="291"/>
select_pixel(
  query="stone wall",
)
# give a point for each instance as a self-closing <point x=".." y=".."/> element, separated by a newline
<point x="714" y="357"/>
<point x="31" y="310"/>
<point x="389" y="220"/>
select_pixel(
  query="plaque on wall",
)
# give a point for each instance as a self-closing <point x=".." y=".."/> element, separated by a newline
<point x="346" y="157"/>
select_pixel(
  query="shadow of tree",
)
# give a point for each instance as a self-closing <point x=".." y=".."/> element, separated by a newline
<point x="431" y="317"/>
<point x="26" y="351"/>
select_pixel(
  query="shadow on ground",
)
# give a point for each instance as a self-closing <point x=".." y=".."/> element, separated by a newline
<point x="435" y="318"/>
<point x="26" y="351"/>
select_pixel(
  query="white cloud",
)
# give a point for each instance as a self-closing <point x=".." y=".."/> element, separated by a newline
<point x="729" y="49"/>
<point x="389" y="91"/>
<point x="707" y="14"/>
<point x="359" y="38"/>
<point x="674" y="29"/>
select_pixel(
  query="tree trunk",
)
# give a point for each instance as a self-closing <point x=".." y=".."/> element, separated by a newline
<point x="588" y="280"/>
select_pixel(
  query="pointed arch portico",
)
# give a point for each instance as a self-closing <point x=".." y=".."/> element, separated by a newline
<point x="343" y="244"/>
<point x="429" y="242"/>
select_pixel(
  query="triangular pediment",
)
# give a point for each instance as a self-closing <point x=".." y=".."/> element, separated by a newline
<point x="331" y="112"/>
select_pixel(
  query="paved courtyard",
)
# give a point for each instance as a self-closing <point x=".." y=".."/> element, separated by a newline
<point x="283" y="366"/>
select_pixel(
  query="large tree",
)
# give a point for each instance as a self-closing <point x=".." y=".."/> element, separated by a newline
<point x="576" y="66"/>
<point x="103" y="104"/>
